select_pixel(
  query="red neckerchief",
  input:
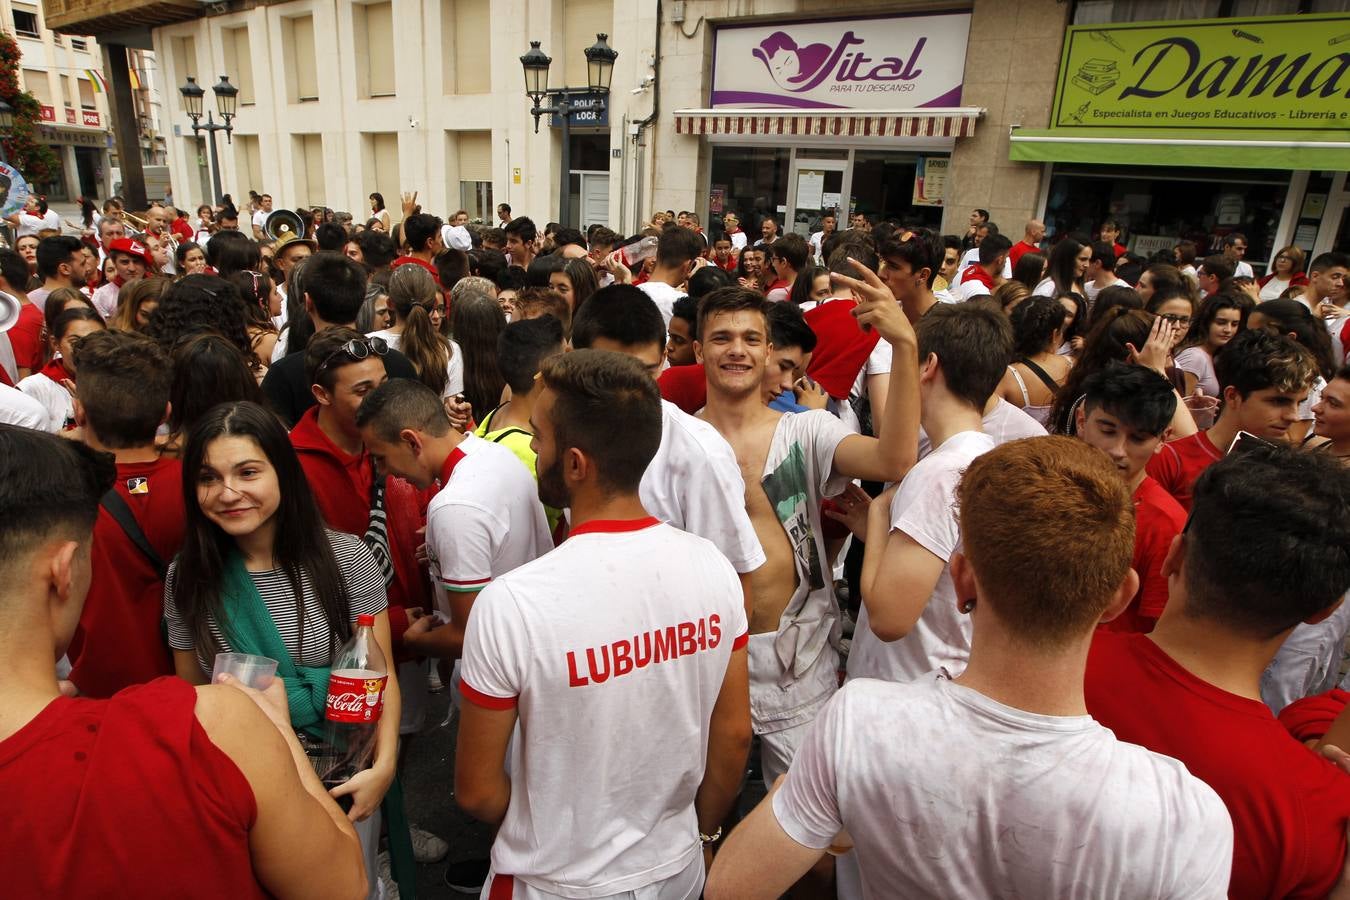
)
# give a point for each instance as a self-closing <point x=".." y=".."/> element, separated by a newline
<point x="56" y="371"/>
<point x="119" y="281"/>
<point x="448" y="467"/>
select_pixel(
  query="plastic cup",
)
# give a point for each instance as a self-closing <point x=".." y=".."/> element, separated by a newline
<point x="252" y="671"/>
<point x="1204" y="410"/>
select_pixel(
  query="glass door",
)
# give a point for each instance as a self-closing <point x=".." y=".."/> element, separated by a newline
<point x="818" y="184"/>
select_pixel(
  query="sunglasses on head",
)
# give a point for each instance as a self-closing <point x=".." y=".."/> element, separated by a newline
<point x="355" y="350"/>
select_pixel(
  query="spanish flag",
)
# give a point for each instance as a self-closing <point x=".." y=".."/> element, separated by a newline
<point x="96" y="81"/>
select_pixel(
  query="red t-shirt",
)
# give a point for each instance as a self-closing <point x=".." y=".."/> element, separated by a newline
<point x="182" y="229"/>
<point x="26" y="338"/>
<point x="685" y="386"/>
<point x="1179" y="463"/>
<point x="1310" y="718"/>
<point x="842" y="347"/>
<point x="1289" y="805"/>
<point x="1020" y="249"/>
<point x="1157" y="520"/>
<point x="125" y="797"/>
<point x="119" y="641"/>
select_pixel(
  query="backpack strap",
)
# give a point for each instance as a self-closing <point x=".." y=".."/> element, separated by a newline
<point x="118" y="508"/>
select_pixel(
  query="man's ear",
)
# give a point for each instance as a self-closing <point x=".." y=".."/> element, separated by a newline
<point x="412" y="440"/>
<point x="1122" y="597"/>
<point x="321" y="396"/>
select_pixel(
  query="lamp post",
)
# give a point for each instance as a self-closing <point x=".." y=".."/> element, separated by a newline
<point x="227" y="96"/>
<point x="599" y="69"/>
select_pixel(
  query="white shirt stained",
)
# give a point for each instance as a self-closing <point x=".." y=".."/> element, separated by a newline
<point x="924" y="508"/>
<point x="613" y="648"/>
<point x="948" y="793"/>
<point x="663" y="295"/>
<point x="695" y="484"/>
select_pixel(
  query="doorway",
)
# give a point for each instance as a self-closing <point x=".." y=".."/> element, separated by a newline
<point x="88" y="171"/>
<point x="818" y="185"/>
<point x="588" y="198"/>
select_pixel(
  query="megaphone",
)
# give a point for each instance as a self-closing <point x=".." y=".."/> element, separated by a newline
<point x="9" y="311"/>
<point x="283" y="225"/>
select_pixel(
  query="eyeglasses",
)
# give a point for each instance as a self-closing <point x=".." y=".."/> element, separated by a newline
<point x="1175" y="319"/>
<point x="354" y="350"/>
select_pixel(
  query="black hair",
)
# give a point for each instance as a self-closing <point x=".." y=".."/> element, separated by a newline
<point x="1300" y="505"/>
<point x="336" y="285"/>
<point x="232" y="251"/>
<point x="331" y="236"/>
<point x="49" y="486"/>
<point x="677" y="246"/>
<point x="1030" y="269"/>
<point x="791" y="248"/>
<point x="919" y="252"/>
<point x="1034" y="323"/>
<point x="973" y="344"/>
<point x="197" y="303"/>
<point x="1220" y="266"/>
<point x="686" y="309"/>
<point x="1104" y="254"/>
<point x="377" y="248"/>
<point x="123" y="387"/>
<point x="992" y="247"/>
<point x="541" y="267"/>
<point x="300" y="547"/>
<point x="13" y="268"/>
<point x="420" y="228"/>
<point x="489" y="264"/>
<point x="1106" y="342"/>
<point x="520" y="348"/>
<point x="379" y="201"/>
<point x="53" y="251"/>
<point x="708" y="279"/>
<point x="477" y="322"/>
<point x="523" y="228"/>
<point x="180" y="255"/>
<point x="402" y="403"/>
<point x="1255" y="360"/>
<point x="564" y="236"/>
<point x="512" y="278"/>
<point x="1329" y="260"/>
<point x="1137" y="395"/>
<point x="788" y="328"/>
<point x="1287" y="317"/>
<point x="619" y="313"/>
<point x="1114" y="296"/>
<point x="1064" y="264"/>
<point x="805" y="284"/>
<point x="207" y="370"/>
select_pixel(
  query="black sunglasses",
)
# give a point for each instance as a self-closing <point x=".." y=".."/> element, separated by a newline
<point x="355" y="350"/>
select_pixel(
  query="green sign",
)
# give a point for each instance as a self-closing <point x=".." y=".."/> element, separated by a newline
<point x="1275" y="73"/>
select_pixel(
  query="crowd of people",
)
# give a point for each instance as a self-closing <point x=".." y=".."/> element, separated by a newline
<point x="1009" y="569"/>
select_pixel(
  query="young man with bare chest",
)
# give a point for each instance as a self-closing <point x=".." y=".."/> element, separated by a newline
<point x="790" y="463"/>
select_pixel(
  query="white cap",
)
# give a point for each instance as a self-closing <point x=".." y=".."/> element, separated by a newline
<point x="456" y="237"/>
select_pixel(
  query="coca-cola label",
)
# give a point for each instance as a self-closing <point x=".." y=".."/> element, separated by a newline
<point x="355" y="699"/>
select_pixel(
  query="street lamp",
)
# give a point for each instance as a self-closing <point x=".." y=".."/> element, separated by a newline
<point x="599" y="70"/>
<point x="227" y="96"/>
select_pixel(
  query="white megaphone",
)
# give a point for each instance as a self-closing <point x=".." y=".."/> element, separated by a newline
<point x="9" y="311"/>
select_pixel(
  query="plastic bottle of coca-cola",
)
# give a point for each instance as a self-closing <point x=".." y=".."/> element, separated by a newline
<point x="355" y="701"/>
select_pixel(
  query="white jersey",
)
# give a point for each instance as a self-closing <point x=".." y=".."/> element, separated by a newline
<point x="972" y="258"/>
<point x="18" y="408"/>
<point x="486" y="519"/>
<point x="695" y="484"/>
<point x="924" y="508"/>
<point x="1003" y="423"/>
<point x="613" y="648"/>
<point x="54" y="398"/>
<point x="105" y="299"/>
<point x="948" y="793"/>
<point x="663" y="295"/>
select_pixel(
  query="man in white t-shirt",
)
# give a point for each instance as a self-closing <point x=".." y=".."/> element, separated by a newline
<point x="34" y="217"/>
<point x="621" y="655"/>
<point x="790" y="464"/>
<point x="260" y="217"/>
<point x="484" y="521"/>
<point x="909" y="624"/>
<point x="828" y="223"/>
<point x="980" y="279"/>
<point x="998" y="783"/>
<point x="1101" y="271"/>
<point x="1235" y="248"/>
<point x="731" y="224"/>
<point x="676" y="250"/>
<point x="972" y="256"/>
<point x="694" y="481"/>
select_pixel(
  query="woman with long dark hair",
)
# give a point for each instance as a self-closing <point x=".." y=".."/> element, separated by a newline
<point x="812" y="286"/>
<point x="137" y="301"/>
<point x="1218" y="321"/>
<point x="1037" y="371"/>
<point x="201" y="303"/>
<point x="477" y="321"/>
<point x="377" y="211"/>
<point x="1064" y="273"/>
<point x="1030" y="270"/>
<point x="262" y="303"/>
<point x="207" y="371"/>
<point x="576" y="281"/>
<point x="413" y="296"/>
<point x="190" y="258"/>
<point x="259" y="573"/>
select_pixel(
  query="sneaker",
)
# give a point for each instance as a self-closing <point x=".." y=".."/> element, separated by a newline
<point x="427" y="848"/>
<point x="434" y="683"/>
<point x="467" y="876"/>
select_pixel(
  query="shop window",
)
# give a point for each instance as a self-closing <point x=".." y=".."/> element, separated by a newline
<point x="749" y="181"/>
<point x="475" y="198"/>
<point x="1157" y="208"/>
<point x="883" y="188"/>
<point x="26" y="23"/>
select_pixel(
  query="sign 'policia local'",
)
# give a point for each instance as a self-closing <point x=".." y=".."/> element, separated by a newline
<point x="1281" y="72"/>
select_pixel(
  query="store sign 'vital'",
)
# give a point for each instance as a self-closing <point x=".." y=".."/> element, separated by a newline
<point x="887" y="62"/>
<point x="1280" y="73"/>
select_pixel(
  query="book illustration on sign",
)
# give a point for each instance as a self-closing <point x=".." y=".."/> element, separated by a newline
<point x="1096" y="75"/>
<point x="1106" y="38"/>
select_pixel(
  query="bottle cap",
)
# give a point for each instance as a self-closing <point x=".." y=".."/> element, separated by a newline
<point x="365" y="621"/>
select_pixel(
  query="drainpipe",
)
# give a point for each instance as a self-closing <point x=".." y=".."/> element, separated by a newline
<point x="640" y="127"/>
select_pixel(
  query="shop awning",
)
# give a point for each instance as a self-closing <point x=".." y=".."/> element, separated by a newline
<point x="1227" y="149"/>
<point x="945" y="122"/>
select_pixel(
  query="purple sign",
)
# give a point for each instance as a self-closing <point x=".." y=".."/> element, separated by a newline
<point x="883" y="63"/>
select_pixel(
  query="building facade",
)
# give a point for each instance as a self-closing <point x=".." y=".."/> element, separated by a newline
<point x="786" y="108"/>
<point x="65" y="75"/>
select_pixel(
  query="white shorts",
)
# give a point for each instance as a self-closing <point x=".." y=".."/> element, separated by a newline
<point x="686" y="884"/>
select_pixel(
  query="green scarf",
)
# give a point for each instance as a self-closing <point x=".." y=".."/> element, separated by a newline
<point x="251" y="629"/>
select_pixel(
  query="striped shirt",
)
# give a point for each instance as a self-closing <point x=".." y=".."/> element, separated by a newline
<point x="365" y="595"/>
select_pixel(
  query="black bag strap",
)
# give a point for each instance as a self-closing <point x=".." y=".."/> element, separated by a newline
<point x="117" y="508"/>
<point x="1040" y="373"/>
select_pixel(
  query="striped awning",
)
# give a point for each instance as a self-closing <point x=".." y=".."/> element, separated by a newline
<point x="948" y="122"/>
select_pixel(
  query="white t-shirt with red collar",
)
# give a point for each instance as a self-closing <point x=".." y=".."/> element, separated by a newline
<point x="613" y="649"/>
<point x="486" y="519"/>
<point x="973" y="282"/>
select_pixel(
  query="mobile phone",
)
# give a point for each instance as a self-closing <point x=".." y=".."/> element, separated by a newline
<point x="1246" y="441"/>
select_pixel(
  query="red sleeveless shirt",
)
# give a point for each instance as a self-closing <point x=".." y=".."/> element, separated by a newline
<point x="124" y="797"/>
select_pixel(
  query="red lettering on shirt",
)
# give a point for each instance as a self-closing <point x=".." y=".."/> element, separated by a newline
<point x="596" y="675"/>
<point x="623" y="657"/>
<point x="626" y="655"/>
<point x="573" y="679"/>
<point x="714" y="631"/>
<point x="665" y="644"/>
<point x="686" y="632"/>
